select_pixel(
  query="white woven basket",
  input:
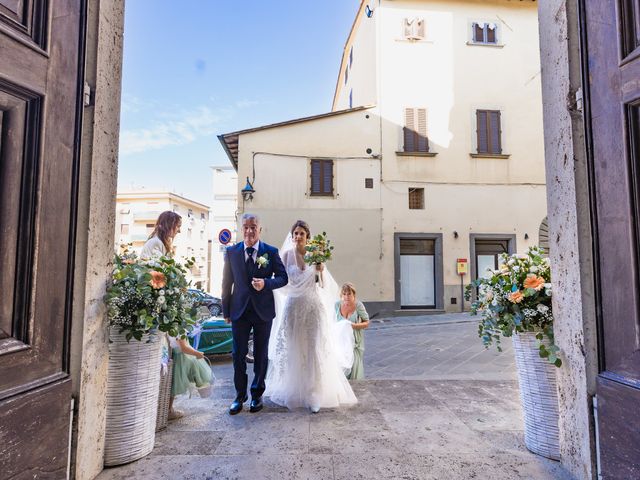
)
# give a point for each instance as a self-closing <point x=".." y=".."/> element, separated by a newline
<point x="539" y="397"/>
<point x="132" y="397"/>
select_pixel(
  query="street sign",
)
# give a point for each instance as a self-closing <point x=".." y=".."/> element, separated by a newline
<point x="224" y="236"/>
<point x="462" y="266"/>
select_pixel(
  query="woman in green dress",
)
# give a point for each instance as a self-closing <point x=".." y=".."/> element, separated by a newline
<point x="348" y="308"/>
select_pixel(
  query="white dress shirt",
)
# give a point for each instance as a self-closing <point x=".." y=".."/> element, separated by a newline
<point x="255" y="251"/>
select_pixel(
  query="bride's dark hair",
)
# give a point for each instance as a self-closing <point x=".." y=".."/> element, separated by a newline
<point x="302" y="224"/>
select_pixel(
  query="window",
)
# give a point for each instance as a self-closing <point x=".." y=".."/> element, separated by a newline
<point x="416" y="198"/>
<point x="351" y="57"/>
<point x="485" y="33"/>
<point x="413" y="28"/>
<point x="322" y="177"/>
<point x="346" y="75"/>
<point x="488" y="131"/>
<point x="368" y="183"/>
<point x="202" y="216"/>
<point x="150" y="227"/>
<point x="351" y="98"/>
<point x="190" y="213"/>
<point x="415" y="130"/>
<point x="124" y="229"/>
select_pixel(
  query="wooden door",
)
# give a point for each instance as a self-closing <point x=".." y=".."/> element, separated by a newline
<point x="613" y="116"/>
<point x="41" y="45"/>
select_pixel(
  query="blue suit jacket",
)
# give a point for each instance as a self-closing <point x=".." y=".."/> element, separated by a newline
<point x="237" y="291"/>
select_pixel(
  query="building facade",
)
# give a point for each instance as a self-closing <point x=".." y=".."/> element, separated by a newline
<point x="136" y="215"/>
<point x="433" y="151"/>
<point x="224" y="205"/>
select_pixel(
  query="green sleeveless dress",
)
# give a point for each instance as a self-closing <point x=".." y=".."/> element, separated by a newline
<point x="360" y="315"/>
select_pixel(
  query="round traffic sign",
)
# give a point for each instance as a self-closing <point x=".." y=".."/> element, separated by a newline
<point x="224" y="236"/>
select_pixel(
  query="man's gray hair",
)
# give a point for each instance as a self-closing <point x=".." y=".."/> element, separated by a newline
<point x="250" y="216"/>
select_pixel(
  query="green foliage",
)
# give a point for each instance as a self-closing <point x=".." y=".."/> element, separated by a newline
<point x="514" y="299"/>
<point x="147" y="295"/>
<point x="318" y="250"/>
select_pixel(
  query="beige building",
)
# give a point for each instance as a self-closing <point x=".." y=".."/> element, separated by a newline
<point x="136" y="215"/>
<point x="224" y="205"/>
<point x="433" y="151"/>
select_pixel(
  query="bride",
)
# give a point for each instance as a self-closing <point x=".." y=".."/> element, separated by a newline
<point x="305" y="357"/>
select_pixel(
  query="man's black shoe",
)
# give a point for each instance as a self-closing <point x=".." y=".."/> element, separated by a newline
<point x="236" y="406"/>
<point x="256" y="405"/>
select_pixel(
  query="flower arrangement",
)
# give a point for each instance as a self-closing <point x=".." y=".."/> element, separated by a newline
<point x="318" y="250"/>
<point x="149" y="294"/>
<point x="516" y="298"/>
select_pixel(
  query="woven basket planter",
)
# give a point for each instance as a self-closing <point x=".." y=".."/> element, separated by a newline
<point x="539" y="397"/>
<point x="162" y="419"/>
<point x="132" y="398"/>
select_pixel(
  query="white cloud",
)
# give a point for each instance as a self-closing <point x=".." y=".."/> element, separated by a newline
<point x="175" y="130"/>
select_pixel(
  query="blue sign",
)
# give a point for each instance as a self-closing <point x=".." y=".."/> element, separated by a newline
<point x="224" y="236"/>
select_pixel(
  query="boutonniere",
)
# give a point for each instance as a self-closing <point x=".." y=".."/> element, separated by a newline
<point x="263" y="261"/>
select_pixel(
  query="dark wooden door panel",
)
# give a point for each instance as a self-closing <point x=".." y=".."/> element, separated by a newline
<point x="40" y="90"/>
<point x="619" y="444"/>
<point x="613" y="59"/>
<point x="34" y="433"/>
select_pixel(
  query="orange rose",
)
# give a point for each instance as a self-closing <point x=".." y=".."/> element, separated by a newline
<point x="516" y="297"/>
<point x="158" y="280"/>
<point x="534" y="281"/>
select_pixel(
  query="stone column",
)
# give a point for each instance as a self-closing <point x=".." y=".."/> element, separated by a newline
<point x="95" y="233"/>
<point x="569" y="232"/>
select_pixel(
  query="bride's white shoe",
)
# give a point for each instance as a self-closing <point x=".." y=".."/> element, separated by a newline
<point x="314" y="409"/>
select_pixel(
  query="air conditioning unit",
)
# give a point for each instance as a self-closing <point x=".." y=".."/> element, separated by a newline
<point x="413" y="28"/>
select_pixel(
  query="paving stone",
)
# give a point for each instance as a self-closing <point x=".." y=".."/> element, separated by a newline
<point x="435" y="405"/>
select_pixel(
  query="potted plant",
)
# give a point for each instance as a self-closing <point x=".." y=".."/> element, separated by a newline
<point x="515" y="301"/>
<point x="146" y="297"/>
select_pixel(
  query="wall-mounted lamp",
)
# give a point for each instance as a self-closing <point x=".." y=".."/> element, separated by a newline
<point x="455" y="234"/>
<point x="368" y="11"/>
<point x="526" y="236"/>
<point x="247" y="191"/>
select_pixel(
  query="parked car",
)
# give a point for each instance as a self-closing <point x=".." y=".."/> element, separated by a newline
<point x="214" y="337"/>
<point x="203" y="299"/>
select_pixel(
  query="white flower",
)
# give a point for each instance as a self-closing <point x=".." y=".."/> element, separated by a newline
<point x="161" y="300"/>
<point x="161" y="292"/>
<point x="516" y="268"/>
<point x="542" y="308"/>
<point x="511" y="262"/>
<point x="533" y="269"/>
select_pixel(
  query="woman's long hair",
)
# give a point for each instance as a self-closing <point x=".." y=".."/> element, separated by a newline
<point x="167" y="222"/>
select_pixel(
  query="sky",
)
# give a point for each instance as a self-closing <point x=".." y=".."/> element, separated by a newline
<point x="195" y="69"/>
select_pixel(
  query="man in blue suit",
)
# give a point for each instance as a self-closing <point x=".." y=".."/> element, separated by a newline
<point x="252" y="271"/>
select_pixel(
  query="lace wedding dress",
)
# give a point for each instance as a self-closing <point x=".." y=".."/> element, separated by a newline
<point x="307" y="350"/>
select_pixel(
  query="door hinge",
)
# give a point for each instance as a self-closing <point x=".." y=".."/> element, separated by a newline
<point x="87" y="96"/>
<point x="579" y="99"/>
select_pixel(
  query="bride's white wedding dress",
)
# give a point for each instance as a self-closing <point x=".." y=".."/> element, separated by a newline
<point x="305" y="356"/>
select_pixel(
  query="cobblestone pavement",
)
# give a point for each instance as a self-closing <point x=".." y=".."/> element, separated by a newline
<point x="435" y="405"/>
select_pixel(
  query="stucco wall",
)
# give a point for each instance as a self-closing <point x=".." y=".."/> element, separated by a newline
<point x="569" y="234"/>
<point x="96" y="219"/>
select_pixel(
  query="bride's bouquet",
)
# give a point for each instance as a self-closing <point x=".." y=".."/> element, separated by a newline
<point x="318" y="251"/>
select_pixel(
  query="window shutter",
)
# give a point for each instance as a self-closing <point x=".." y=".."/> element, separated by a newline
<point x="327" y="177"/>
<point x="316" y="175"/>
<point x="406" y="28"/>
<point x="481" y="117"/>
<point x="422" y="140"/>
<point x="418" y="28"/>
<point x="496" y="146"/>
<point x="478" y="32"/>
<point x="409" y="130"/>
<point x="491" y="32"/>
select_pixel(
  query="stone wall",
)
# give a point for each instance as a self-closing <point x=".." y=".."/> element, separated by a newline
<point x="96" y="220"/>
<point x="569" y="232"/>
